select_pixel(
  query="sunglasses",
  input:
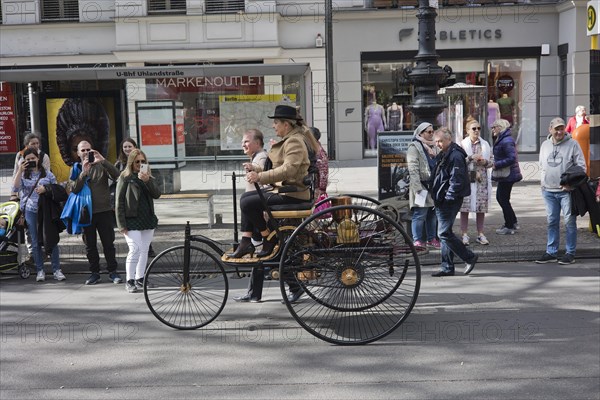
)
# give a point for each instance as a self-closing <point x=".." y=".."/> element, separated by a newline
<point x="140" y="161"/>
<point x="476" y="128"/>
<point x="85" y="150"/>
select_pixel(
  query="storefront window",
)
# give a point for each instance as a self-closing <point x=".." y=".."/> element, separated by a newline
<point x="385" y="95"/>
<point x="219" y="109"/>
<point x="512" y="85"/>
<point x="482" y="89"/>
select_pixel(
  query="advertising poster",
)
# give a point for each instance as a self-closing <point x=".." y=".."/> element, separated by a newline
<point x="8" y="132"/>
<point x="71" y="120"/>
<point x="161" y="132"/>
<point x="392" y="167"/>
<point x="241" y="112"/>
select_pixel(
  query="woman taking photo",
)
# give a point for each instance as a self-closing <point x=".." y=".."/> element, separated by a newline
<point x="127" y="145"/>
<point x="479" y="156"/>
<point x="505" y="156"/>
<point x="136" y="219"/>
<point x="30" y="140"/>
<point x="30" y="180"/>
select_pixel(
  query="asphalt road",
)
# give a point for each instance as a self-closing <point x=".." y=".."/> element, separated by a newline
<point x="508" y="331"/>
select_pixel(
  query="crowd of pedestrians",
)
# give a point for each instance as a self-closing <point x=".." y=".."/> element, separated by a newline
<point x="99" y="185"/>
<point x="448" y="176"/>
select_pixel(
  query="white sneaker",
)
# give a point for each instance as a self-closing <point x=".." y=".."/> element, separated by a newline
<point x="59" y="276"/>
<point x="465" y="239"/>
<point x="41" y="276"/>
<point x="481" y="239"/>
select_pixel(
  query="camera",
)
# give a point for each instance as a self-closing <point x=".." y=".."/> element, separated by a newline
<point x="91" y="157"/>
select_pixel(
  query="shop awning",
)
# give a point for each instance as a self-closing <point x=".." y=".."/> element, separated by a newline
<point x="60" y="74"/>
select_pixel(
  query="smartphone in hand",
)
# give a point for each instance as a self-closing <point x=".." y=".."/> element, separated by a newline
<point x="91" y="157"/>
<point x="144" y="168"/>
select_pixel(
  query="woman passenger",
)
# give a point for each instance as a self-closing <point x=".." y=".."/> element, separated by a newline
<point x="290" y="162"/>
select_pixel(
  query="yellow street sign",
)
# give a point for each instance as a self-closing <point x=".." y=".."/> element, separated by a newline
<point x="593" y="28"/>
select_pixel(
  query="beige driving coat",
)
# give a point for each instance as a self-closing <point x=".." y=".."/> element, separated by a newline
<point x="290" y="165"/>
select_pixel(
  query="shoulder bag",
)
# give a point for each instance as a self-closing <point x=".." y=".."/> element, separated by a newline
<point x="21" y="221"/>
<point x="501" y="173"/>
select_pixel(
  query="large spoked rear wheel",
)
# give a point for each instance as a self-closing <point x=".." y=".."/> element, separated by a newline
<point x="359" y="272"/>
<point x="185" y="302"/>
<point x="357" y="199"/>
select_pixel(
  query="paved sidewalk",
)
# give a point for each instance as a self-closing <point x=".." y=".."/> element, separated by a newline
<point x="345" y="177"/>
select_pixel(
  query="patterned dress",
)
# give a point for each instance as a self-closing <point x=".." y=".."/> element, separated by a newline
<point x="481" y="187"/>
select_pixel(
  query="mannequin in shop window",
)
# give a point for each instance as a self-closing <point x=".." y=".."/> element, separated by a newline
<point x="507" y="106"/>
<point x="395" y="117"/>
<point x="493" y="112"/>
<point x="374" y="122"/>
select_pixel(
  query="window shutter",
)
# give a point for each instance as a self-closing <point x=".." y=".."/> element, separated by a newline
<point x="60" y="10"/>
<point x="224" y="6"/>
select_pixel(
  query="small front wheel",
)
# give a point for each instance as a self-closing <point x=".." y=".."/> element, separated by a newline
<point x="24" y="271"/>
<point x="185" y="300"/>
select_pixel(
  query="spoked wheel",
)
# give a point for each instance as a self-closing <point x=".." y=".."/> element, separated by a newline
<point x="185" y="302"/>
<point x="357" y="199"/>
<point x="359" y="271"/>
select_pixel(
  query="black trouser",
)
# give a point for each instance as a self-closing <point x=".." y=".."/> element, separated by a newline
<point x="257" y="276"/>
<point x="103" y="223"/>
<point x="255" y="286"/>
<point x="252" y="218"/>
<point x="503" y="198"/>
<point x="252" y="208"/>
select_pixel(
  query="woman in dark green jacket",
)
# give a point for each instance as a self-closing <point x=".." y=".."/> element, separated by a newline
<point x="136" y="219"/>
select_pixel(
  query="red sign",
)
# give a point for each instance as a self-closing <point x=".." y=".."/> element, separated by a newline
<point x="157" y="135"/>
<point x="8" y="132"/>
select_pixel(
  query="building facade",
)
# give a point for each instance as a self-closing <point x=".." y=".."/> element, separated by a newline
<point x="526" y="61"/>
<point x="222" y="64"/>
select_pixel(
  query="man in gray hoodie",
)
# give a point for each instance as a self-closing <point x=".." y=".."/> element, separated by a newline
<point x="557" y="154"/>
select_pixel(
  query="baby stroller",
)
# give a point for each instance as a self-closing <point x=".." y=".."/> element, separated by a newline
<point x="11" y="240"/>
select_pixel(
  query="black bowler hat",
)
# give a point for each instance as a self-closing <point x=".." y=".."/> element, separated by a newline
<point x="285" y="112"/>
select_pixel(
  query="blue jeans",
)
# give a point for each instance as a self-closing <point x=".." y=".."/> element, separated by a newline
<point x="451" y="244"/>
<point x="555" y="203"/>
<point x="423" y="223"/>
<point x="38" y="256"/>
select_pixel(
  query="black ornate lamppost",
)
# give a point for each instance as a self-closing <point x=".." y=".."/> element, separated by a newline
<point x="427" y="76"/>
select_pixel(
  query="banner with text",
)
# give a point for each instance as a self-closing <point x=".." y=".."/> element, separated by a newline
<point x="241" y="112"/>
<point x="392" y="167"/>
<point x="8" y="131"/>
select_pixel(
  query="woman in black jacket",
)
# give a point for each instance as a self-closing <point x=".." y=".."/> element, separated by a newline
<point x="505" y="155"/>
<point x="136" y="219"/>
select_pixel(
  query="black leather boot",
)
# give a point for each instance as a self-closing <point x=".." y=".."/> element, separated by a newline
<point x="268" y="246"/>
<point x="245" y="247"/>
